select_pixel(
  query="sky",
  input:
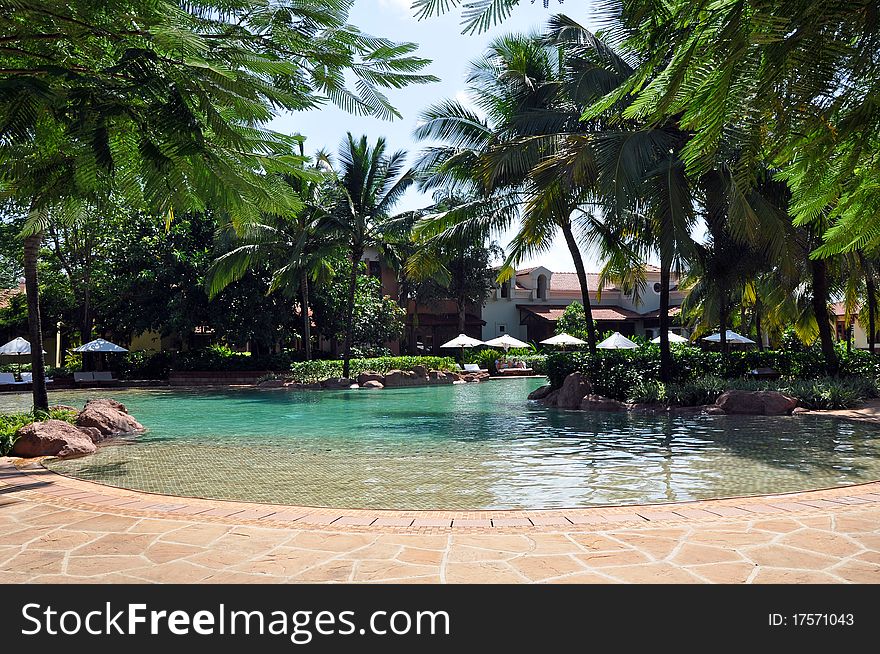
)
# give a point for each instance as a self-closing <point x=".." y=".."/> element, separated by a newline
<point x="441" y="41"/>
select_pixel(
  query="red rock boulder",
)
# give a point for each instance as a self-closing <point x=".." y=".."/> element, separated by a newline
<point x="52" y="438"/>
<point x="766" y="403"/>
<point x="109" y="417"/>
<point x="573" y="391"/>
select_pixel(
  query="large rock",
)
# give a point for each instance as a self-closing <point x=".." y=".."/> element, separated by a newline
<point x="336" y="383"/>
<point x="441" y="377"/>
<point x="767" y="403"/>
<point x="372" y="383"/>
<point x="402" y="378"/>
<point x="551" y="398"/>
<point x="52" y="438"/>
<point x="573" y="391"/>
<point x="300" y="386"/>
<point x="109" y="417"/>
<point x="271" y="383"/>
<point x="420" y="371"/>
<point x="541" y="393"/>
<point x="601" y="403"/>
<point x="369" y="375"/>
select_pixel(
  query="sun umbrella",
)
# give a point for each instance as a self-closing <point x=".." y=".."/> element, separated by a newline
<point x="563" y="339"/>
<point x="462" y="341"/>
<point x="507" y="341"/>
<point x="673" y="338"/>
<point x="99" y="345"/>
<point x="17" y="347"/>
<point x="732" y="337"/>
<point x="617" y="341"/>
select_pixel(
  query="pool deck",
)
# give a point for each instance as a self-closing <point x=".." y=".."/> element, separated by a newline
<point x="54" y="529"/>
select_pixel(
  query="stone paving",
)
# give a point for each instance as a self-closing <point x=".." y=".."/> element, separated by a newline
<point x="55" y="529"/>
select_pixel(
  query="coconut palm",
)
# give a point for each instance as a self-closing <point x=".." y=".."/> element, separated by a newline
<point x="522" y="86"/>
<point x="369" y="182"/>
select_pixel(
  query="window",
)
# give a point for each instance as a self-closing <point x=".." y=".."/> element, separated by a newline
<point x="375" y="269"/>
<point x="657" y="287"/>
<point x="542" y="287"/>
<point x="502" y="329"/>
<point x="505" y="289"/>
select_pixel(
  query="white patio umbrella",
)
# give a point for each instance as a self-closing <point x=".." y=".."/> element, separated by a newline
<point x="617" y="341"/>
<point x="507" y="341"/>
<point x="673" y="338"/>
<point x="99" y="345"/>
<point x="17" y="347"/>
<point x="732" y="337"/>
<point x="462" y="341"/>
<point x="563" y="339"/>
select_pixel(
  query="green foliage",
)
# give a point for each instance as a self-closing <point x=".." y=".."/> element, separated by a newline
<point x="10" y="423"/>
<point x="699" y="376"/>
<point x="573" y="321"/>
<point x="314" y="371"/>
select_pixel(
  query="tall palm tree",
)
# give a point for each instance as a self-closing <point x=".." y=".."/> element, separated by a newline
<point x="295" y="248"/>
<point x="531" y="100"/>
<point x="369" y="183"/>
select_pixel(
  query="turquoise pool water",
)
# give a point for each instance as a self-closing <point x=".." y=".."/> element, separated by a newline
<point x="475" y="446"/>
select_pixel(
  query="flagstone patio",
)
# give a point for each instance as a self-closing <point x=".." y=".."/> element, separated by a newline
<point x="55" y="529"/>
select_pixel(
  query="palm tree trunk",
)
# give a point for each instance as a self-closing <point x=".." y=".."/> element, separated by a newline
<point x="349" y="312"/>
<point x="413" y="344"/>
<point x="758" y="334"/>
<point x="582" y="280"/>
<point x="819" y="270"/>
<point x="461" y="315"/>
<point x="38" y="365"/>
<point x="724" y="319"/>
<point x="665" y="354"/>
<point x="871" y="288"/>
<point x="307" y="321"/>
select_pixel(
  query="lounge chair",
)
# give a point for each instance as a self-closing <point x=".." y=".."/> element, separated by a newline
<point x="28" y="378"/>
<point x="473" y="367"/>
<point x="104" y="376"/>
<point x="8" y="378"/>
<point x="81" y="377"/>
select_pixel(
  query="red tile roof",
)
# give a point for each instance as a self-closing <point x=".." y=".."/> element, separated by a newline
<point x="553" y="314"/>
<point x="6" y="295"/>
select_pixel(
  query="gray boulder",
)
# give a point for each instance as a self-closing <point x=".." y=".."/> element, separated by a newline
<point x="767" y="403"/>
<point x="541" y="393"/>
<point x="372" y="383"/>
<point x="52" y="438"/>
<point x="369" y="375"/>
<point x="336" y="383"/>
<point x="573" y="391"/>
<point x="601" y="403"/>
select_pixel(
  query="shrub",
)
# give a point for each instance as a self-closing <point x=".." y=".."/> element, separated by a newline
<point x="313" y="371"/>
<point x="10" y="423"/>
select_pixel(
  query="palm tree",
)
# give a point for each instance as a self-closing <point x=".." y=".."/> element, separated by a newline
<point x="369" y="183"/>
<point x="531" y="101"/>
<point x="295" y="248"/>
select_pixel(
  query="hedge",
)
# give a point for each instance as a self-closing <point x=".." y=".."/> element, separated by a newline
<point x="633" y="374"/>
<point x="313" y="371"/>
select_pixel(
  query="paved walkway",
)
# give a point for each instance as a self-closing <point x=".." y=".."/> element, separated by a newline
<point x="55" y="529"/>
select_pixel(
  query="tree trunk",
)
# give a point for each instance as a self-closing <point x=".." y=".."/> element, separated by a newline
<point x="349" y="312"/>
<point x="665" y="354"/>
<point x="414" y="345"/>
<point x="819" y="270"/>
<point x="724" y="320"/>
<point x="461" y="315"/>
<point x="582" y="280"/>
<point x="307" y="321"/>
<point x="35" y="329"/>
<point x="758" y="332"/>
<point x="871" y="288"/>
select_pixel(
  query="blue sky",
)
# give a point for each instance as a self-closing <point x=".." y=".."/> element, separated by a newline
<point x="440" y="40"/>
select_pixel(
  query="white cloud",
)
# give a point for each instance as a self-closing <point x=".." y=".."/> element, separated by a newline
<point x="398" y="6"/>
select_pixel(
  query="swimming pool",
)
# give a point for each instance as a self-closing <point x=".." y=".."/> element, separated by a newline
<point x="474" y="446"/>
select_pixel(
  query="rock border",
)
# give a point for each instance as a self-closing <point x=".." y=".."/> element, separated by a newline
<point x="372" y="380"/>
